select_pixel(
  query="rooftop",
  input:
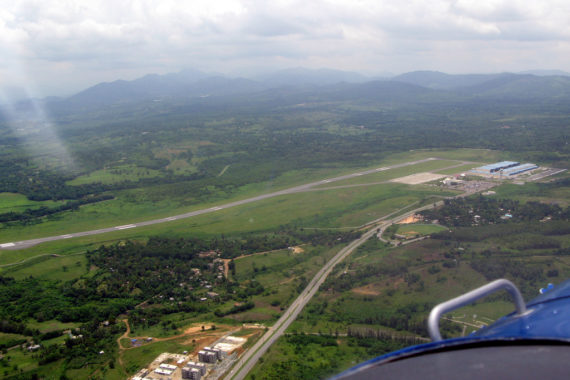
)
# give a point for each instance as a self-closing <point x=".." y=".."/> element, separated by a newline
<point x="498" y="165"/>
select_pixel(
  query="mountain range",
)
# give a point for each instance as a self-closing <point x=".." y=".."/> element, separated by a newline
<point x="324" y="84"/>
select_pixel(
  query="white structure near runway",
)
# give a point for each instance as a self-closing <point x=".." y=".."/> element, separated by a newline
<point x="503" y="169"/>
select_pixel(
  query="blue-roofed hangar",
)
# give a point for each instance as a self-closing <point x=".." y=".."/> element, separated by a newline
<point x="520" y="169"/>
<point x="509" y="168"/>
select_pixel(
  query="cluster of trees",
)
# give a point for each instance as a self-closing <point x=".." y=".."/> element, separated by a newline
<point x="481" y="210"/>
<point x="128" y="273"/>
<point x="480" y="233"/>
<point x="310" y="356"/>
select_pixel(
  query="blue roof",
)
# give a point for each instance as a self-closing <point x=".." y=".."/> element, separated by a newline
<point x="498" y="165"/>
<point x="522" y="167"/>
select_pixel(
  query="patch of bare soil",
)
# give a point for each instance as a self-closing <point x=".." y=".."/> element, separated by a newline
<point x="410" y="219"/>
<point x="366" y="290"/>
<point x="297" y="250"/>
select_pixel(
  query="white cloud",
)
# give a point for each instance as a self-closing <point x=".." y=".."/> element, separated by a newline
<point x="104" y="39"/>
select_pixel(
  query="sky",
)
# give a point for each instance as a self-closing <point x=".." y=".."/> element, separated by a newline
<point x="59" y="47"/>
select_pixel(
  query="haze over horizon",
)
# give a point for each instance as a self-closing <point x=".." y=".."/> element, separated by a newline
<point x="62" y="47"/>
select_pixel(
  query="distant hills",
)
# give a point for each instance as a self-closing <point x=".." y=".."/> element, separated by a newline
<point x="157" y="87"/>
<point x="302" y="76"/>
<point x="504" y="85"/>
<point x="441" y="81"/>
<point x="301" y="84"/>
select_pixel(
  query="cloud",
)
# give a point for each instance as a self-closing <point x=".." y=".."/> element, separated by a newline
<point x="104" y="39"/>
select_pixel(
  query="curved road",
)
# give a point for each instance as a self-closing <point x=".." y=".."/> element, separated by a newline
<point x="29" y="243"/>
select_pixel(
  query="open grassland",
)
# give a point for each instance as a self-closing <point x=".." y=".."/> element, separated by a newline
<point x="52" y="325"/>
<point x="389" y="174"/>
<point x="10" y="202"/>
<point x="49" y="267"/>
<point x="22" y="361"/>
<point x="332" y="208"/>
<point x="115" y="174"/>
<point x="459" y="169"/>
<point x="474" y="155"/>
<point x="8" y="339"/>
<point x="160" y="201"/>
<point x="537" y="192"/>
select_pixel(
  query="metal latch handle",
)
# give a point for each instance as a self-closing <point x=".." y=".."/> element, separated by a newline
<point x="467" y="298"/>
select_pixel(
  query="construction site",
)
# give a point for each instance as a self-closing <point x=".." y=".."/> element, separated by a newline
<point x="209" y="362"/>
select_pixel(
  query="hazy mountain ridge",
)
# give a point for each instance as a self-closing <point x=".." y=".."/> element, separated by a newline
<point x="300" y="80"/>
<point x="300" y="85"/>
<point x="529" y="87"/>
<point x="301" y="77"/>
<point x="440" y="81"/>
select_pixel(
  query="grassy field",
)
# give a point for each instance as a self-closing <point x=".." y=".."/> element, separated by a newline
<point x="136" y="205"/>
<point x="8" y="338"/>
<point x="394" y="173"/>
<point x="459" y="169"/>
<point x="10" y="202"/>
<point x="535" y="192"/>
<point x="47" y="326"/>
<point x="115" y="174"/>
<point x="331" y="208"/>
<point x="49" y="267"/>
<point x="475" y="155"/>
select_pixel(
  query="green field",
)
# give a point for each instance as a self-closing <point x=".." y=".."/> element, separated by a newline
<point x="459" y="169"/>
<point x="143" y="204"/>
<point x="332" y="208"/>
<point x="49" y="267"/>
<point x="387" y="175"/>
<point x="10" y="202"/>
<point x="115" y="174"/>
<point x="52" y="325"/>
<point x="535" y="192"/>
<point x="8" y="339"/>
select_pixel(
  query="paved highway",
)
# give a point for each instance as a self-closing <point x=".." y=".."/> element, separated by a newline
<point x="29" y="243"/>
<point x="252" y="355"/>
